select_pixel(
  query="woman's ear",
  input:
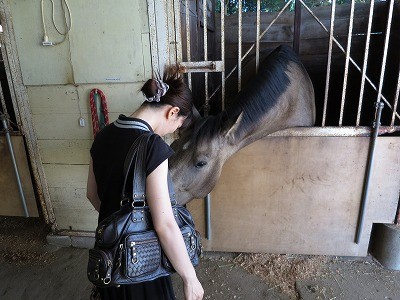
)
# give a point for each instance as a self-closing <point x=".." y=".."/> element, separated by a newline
<point x="173" y="111"/>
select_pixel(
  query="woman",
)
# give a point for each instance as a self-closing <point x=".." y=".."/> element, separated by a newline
<point x="168" y="103"/>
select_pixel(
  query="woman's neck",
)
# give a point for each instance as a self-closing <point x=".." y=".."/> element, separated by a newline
<point x="153" y="117"/>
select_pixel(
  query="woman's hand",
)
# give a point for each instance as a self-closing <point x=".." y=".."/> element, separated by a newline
<point x="193" y="289"/>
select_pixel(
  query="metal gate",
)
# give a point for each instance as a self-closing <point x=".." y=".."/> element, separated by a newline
<point x="181" y="36"/>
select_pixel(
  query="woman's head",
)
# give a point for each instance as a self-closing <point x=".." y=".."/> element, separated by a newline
<point x="171" y="90"/>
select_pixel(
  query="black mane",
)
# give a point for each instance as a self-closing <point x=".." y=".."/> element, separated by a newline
<point x="263" y="90"/>
<point x="255" y="100"/>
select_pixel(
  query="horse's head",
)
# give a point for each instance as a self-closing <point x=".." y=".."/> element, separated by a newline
<point x="280" y="96"/>
<point x="199" y="156"/>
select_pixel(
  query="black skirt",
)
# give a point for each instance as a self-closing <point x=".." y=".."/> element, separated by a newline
<point x="158" y="289"/>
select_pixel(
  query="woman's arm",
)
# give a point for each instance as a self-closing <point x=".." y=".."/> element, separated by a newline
<point x="168" y="231"/>
<point x="91" y="192"/>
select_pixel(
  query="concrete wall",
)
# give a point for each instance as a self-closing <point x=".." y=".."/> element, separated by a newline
<point x="107" y="48"/>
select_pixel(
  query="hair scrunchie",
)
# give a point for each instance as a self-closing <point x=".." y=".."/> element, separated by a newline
<point x="162" y="89"/>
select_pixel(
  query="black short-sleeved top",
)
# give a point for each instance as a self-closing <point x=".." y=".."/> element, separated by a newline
<point x="108" y="153"/>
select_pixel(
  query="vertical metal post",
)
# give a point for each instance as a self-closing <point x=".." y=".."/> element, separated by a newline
<point x="258" y="35"/>
<point x="208" y="216"/>
<point x="10" y="147"/>
<point x="207" y="199"/>
<point x="223" y="53"/>
<point x="328" y="68"/>
<point x="364" y="69"/>
<point x="297" y="27"/>
<point x="385" y="50"/>
<point x="205" y="29"/>
<point x="363" y="206"/>
<point x="188" y="57"/>
<point x="346" y="67"/>
<point x="396" y="100"/>
<point x="240" y="46"/>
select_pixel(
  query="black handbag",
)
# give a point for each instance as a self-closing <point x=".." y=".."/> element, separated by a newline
<point x="127" y="249"/>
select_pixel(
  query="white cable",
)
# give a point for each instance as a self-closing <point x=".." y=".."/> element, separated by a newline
<point x="45" y="38"/>
<point x="67" y="28"/>
<point x="69" y="16"/>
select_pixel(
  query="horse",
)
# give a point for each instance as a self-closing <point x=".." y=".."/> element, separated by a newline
<point x="279" y="96"/>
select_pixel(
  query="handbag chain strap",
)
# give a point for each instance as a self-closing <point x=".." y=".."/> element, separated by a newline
<point x="138" y="152"/>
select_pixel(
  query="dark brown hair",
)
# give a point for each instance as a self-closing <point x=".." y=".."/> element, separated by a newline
<point x="178" y="94"/>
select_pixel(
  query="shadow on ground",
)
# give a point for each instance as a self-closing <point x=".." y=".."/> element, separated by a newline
<point x="31" y="269"/>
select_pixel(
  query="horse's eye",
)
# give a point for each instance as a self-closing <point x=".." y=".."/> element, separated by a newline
<point x="201" y="164"/>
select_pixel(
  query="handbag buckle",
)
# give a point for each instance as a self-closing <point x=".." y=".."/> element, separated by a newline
<point x="138" y="203"/>
<point x="124" y="202"/>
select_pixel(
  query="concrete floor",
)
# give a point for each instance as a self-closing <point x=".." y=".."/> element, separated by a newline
<point x="31" y="269"/>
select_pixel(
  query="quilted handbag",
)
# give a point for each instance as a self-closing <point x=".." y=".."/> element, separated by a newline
<point x="127" y="249"/>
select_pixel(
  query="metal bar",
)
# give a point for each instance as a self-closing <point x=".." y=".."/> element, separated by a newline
<point x="205" y="29"/>
<point x="261" y="36"/>
<point x="14" y="162"/>
<point x="253" y="45"/>
<point x="351" y="60"/>
<point x="223" y="54"/>
<point x="240" y="16"/>
<point x="208" y="216"/>
<point x="206" y="110"/>
<point x="385" y="50"/>
<point x="297" y="26"/>
<point x="201" y="66"/>
<point x="258" y="35"/>
<point x="366" y="54"/>
<point x="328" y="68"/>
<point x="346" y="66"/>
<point x="188" y="54"/>
<point x="396" y="99"/>
<point x="363" y="205"/>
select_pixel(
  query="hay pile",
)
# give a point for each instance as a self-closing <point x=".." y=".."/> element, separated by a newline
<point x="23" y="241"/>
<point x="282" y="271"/>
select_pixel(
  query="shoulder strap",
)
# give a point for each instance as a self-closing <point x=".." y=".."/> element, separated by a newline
<point x="138" y="152"/>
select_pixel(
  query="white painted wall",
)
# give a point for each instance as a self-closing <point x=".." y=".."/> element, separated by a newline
<point x="108" y="48"/>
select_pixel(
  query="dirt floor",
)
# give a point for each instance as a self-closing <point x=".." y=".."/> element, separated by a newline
<point x="31" y="269"/>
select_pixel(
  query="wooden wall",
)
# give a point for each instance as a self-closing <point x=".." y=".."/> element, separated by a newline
<point x="301" y="195"/>
<point x="10" y="199"/>
<point x="107" y="48"/>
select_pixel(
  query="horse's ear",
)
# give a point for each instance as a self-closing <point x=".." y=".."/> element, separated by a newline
<point x="231" y="128"/>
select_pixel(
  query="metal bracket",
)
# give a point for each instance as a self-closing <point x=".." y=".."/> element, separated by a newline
<point x="201" y="66"/>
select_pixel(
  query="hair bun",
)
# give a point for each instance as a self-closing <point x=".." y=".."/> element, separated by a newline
<point x="162" y="89"/>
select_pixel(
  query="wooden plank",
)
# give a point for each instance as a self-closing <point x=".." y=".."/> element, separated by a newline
<point x="65" y="151"/>
<point x="10" y="200"/>
<point x="296" y="195"/>
<point x="70" y="198"/>
<point x="64" y="126"/>
<point x="53" y="99"/>
<point x="66" y="176"/>
<point x="73" y="210"/>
